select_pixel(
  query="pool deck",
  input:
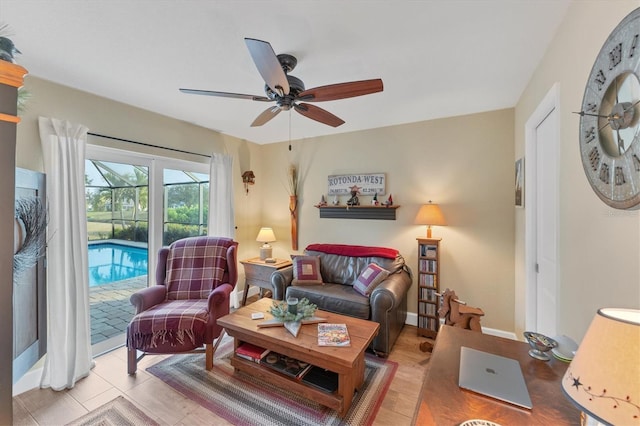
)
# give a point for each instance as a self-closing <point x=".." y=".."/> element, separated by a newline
<point x="110" y="308"/>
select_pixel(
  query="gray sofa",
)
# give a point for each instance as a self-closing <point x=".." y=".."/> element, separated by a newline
<point x="340" y="266"/>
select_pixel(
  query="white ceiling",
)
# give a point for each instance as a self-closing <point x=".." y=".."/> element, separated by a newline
<point x="437" y="58"/>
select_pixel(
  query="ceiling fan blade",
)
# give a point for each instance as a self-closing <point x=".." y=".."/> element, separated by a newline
<point x="341" y="90"/>
<point x="226" y="95"/>
<point x="266" y="115"/>
<point x="316" y="113"/>
<point x="268" y="65"/>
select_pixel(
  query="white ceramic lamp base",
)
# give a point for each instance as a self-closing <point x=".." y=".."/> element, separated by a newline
<point x="266" y="252"/>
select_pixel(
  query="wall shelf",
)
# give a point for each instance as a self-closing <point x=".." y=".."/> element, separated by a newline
<point x="358" y="212"/>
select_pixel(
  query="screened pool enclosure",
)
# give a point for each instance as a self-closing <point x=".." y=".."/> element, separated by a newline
<point x="117" y="197"/>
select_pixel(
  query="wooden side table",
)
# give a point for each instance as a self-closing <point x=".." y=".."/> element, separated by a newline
<point x="258" y="273"/>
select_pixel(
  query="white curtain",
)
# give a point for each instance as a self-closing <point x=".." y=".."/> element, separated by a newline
<point x="68" y="356"/>
<point x="221" y="218"/>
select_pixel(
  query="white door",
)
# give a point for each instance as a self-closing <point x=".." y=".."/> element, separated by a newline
<point x="542" y="217"/>
<point x="546" y="227"/>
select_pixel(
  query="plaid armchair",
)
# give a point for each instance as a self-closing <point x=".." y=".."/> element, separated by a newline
<point x="194" y="278"/>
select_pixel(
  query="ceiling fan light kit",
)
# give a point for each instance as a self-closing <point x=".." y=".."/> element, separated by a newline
<point x="288" y="92"/>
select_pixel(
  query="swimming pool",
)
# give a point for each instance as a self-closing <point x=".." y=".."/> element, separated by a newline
<point x="109" y="262"/>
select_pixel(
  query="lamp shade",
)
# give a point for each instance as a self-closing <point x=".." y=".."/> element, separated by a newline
<point x="266" y="235"/>
<point x="603" y="379"/>
<point x="430" y="214"/>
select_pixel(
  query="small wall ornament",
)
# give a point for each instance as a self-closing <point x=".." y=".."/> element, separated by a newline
<point x="353" y="201"/>
<point x="323" y="202"/>
<point x="248" y="178"/>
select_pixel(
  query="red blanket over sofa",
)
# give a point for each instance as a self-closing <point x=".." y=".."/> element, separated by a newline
<point x="354" y="251"/>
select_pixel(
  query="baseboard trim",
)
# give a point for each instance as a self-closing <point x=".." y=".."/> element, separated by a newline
<point x="253" y="291"/>
<point x="500" y="333"/>
<point x="412" y="319"/>
<point x="30" y="380"/>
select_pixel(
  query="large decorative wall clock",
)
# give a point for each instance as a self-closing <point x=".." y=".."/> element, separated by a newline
<point x="610" y="118"/>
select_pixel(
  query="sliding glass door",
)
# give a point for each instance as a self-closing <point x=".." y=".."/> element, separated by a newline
<point x="135" y="205"/>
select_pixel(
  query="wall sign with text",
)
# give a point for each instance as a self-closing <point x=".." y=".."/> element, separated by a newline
<point x="365" y="183"/>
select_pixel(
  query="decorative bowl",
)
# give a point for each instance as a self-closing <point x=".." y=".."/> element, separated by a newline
<point x="539" y="345"/>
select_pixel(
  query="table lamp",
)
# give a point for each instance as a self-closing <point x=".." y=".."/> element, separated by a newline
<point x="603" y="380"/>
<point x="430" y="214"/>
<point x="266" y="236"/>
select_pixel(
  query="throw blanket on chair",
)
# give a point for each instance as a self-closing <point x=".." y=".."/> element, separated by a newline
<point x="194" y="268"/>
<point x="354" y="251"/>
<point x="172" y="322"/>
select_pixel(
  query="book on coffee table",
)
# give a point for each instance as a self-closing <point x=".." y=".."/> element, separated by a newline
<point x="251" y="352"/>
<point x="333" y="335"/>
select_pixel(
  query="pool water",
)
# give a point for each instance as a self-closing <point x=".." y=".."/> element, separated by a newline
<point x="109" y="262"/>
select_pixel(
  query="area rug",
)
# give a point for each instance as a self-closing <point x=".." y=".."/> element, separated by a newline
<point x="244" y="400"/>
<point x="118" y="412"/>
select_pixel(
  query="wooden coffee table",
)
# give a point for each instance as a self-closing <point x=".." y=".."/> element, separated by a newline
<point x="347" y="362"/>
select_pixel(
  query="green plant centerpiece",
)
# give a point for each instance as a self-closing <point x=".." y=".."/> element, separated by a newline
<point x="282" y="317"/>
<point x="280" y="311"/>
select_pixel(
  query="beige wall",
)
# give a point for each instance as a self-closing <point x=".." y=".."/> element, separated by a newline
<point x="599" y="247"/>
<point x="465" y="164"/>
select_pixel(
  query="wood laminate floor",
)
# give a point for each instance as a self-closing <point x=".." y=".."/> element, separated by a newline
<point x="109" y="379"/>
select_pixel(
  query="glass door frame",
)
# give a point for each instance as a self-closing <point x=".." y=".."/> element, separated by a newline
<point x="156" y="203"/>
<point x="156" y="165"/>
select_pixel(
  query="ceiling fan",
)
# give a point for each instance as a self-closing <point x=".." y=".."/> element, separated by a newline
<point x="288" y="91"/>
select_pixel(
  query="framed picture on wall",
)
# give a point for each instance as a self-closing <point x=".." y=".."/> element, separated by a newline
<point x="520" y="182"/>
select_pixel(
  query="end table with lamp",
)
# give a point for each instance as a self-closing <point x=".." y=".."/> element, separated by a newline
<point x="258" y="273"/>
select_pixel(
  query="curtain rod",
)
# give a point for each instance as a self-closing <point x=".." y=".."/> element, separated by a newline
<point x="147" y="144"/>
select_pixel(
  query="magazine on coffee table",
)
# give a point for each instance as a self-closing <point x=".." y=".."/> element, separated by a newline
<point x="333" y="335"/>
